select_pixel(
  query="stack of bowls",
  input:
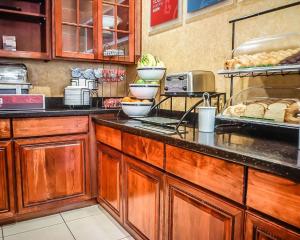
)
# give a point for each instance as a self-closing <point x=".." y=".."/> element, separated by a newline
<point x="144" y="91"/>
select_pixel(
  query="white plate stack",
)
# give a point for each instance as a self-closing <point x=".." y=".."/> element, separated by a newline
<point x="77" y="96"/>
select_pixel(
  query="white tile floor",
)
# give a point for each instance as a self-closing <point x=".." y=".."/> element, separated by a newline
<point x="90" y="223"/>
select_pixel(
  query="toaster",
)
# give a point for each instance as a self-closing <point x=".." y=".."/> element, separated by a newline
<point x="189" y="82"/>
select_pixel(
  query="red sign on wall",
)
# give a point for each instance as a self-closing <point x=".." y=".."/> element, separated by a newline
<point x="163" y="11"/>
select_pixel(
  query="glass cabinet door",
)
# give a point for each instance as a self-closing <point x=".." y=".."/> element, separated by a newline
<point x="118" y="30"/>
<point x="75" y="28"/>
<point x="86" y="29"/>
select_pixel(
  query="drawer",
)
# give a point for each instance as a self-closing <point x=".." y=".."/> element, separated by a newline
<point x="146" y="149"/>
<point x="34" y="127"/>
<point x="4" y="128"/>
<point x="109" y="136"/>
<point x="219" y="176"/>
<point x="274" y="196"/>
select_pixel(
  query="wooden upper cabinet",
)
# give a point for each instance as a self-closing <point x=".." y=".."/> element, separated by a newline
<point x="76" y="28"/>
<point x="6" y="182"/>
<point x="258" y="228"/>
<point x="143" y="200"/>
<point x="29" y="22"/>
<point x="109" y="180"/>
<point x="193" y="214"/>
<point x="86" y="29"/>
<point x="51" y="172"/>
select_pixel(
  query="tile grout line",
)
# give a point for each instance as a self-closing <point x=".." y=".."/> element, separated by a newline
<point x="35" y="229"/>
<point x="75" y="219"/>
<point x="125" y="237"/>
<point x="67" y="226"/>
<point x="2" y="234"/>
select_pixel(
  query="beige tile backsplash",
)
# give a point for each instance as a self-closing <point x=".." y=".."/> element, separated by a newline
<point x="50" y="78"/>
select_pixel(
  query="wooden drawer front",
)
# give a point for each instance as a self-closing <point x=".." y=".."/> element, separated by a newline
<point x="4" y="128"/>
<point x="145" y="149"/>
<point x="274" y="196"/>
<point x="258" y="228"/>
<point x="217" y="175"/>
<point x="33" y="127"/>
<point x="109" y="136"/>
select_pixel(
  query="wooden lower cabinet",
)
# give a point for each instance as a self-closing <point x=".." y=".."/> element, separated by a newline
<point x="195" y="215"/>
<point x="143" y="200"/>
<point x="52" y="172"/>
<point x="6" y="182"/>
<point x="258" y="228"/>
<point x="110" y="180"/>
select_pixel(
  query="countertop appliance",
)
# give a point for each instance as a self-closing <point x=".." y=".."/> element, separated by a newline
<point x="13" y="78"/>
<point x="189" y="83"/>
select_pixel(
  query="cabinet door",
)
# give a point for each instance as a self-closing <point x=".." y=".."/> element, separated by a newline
<point x="52" y="172"/>
<point x="6" y="182"/>
<point x="118" y="30"/>
<point x="193" y="214"/>
<point x="109" y="180"/>
<point x="143" y="200"/>
<point x="76" y="28"/>
<point x="258" y="228"/>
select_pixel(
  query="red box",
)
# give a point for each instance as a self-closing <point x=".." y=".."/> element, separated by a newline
<point x="22" y="101"/>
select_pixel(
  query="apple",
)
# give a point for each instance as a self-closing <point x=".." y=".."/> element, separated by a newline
<point x="140" y="81"/>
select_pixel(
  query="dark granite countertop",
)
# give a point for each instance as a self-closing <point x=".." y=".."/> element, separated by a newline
<point x="279" y="157"/>
<point x="52" y="112"/>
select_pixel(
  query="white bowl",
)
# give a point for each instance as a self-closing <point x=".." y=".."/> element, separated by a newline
<point x="144" y="91"/>
<point x="151" y="73"/>
<point x="133" y="109"/>
<point x="108" y="21"/>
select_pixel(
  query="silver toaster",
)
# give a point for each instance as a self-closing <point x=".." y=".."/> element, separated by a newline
<point x="190" y="82"/>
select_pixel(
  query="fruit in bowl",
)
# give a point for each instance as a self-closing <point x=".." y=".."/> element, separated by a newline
<point x="133" y="107"/>
<point x="151" y="68"/>
<point x="144" y="91"/>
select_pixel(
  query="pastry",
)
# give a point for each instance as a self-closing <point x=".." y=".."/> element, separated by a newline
<point x="255" y="110"/>
<point x="276" y="111"/>
<point x="291" y="113"/>
<point x="289" y="56"/>
<point x="237" y="110"/>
